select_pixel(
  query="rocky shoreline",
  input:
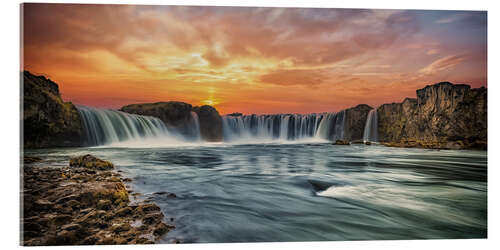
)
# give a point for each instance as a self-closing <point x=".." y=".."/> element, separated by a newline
<point x="85" y="203"/>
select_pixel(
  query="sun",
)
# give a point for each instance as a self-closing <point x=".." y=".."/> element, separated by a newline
<point x="209" y="102"/>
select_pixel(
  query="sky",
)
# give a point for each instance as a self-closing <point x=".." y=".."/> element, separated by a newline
<point x="250" y="60"/>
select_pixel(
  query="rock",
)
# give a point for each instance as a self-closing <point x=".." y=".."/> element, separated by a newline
<point x="161" y="229"/>
<point x="178" y="116"/>
<point x="341" y="142"/>
<point x="48" y="121"/>
<point x="63" y="238"/>
<point x="71" y="227"/>
<point x="42" y="205"/>
<point x="152" y="218"/>
<point x="91" y="162"/>
<point x="104" y="204"/>
<point x="210" y="123"/>
<point x="121" y="227"/>
<point x="443" y="115"/>
<point x="123" y="211"/>
<point x="368" y="143"/>
<point x="355" y="121"/>
<point x="31" y="159"/>
<point x="73" y="204"/>
<point x="146" y="208"/>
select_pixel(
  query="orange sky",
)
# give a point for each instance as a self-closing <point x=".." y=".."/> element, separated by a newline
<point x="250" y="60"/>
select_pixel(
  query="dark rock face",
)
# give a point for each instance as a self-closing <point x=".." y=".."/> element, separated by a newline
<point x="173" y="114"/>
<point x="443" y="115"/>
<point x="177" y="115"/>
<point x="210" y="123"/>
<point x="47" y="120"/>
<point x="355" y="120"/>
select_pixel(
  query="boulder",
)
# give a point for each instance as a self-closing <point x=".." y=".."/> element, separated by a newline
<point x="341" y="142"/>
<point x="90" y="162"/>
<point x="47" y="120"/>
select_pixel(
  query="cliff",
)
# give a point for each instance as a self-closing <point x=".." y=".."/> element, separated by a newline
<point x="47" y="120"/>
<point x="443" y="115"/>
<point x="355" y="120"/>
<point x="177" y="115"/>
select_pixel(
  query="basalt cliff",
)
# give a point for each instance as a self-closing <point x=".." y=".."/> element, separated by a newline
<point x="444" y="115"/>
<point x="47" y="120"/>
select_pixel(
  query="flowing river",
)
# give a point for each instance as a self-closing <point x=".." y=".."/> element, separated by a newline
<point x="301" y="191"/>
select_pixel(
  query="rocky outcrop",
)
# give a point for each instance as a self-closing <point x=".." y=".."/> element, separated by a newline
<point x="355" y="120"/>
<point x="48" y="121"/>
<point x="443" y="115"/>
<point x="177" y="116"/>
<point x="174" y="114"/>
<point x="210" y="123"/>
<point x="84" y="204"/>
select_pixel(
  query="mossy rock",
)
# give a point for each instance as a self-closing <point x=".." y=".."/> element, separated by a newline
<point x="91" y="162"/>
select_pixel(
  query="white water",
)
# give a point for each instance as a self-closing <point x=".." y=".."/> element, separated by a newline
<point x="104" y="127"/>
<point x="284" y="127"/>
<point x="371" y="127"/>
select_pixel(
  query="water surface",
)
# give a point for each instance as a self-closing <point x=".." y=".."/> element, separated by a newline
<point x="305" y="192"/>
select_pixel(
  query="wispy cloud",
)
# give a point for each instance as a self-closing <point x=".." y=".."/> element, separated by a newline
<point x="442" y="64"/>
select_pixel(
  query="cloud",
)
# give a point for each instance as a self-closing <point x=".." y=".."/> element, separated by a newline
<point x="442" y="64"/>
<point x="432" y="52"/>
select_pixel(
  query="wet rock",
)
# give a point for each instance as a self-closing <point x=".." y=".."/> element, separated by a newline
<point x="75" y="212"/>
<point x="152" y="218"/>
<point x="341" y="142"/>
<point x="31" y="159"/>
<point x="121" y="227"/>
<point x="91" y="162"/>
<point x="161" y="229"/>
<point x="71" y="227"/>
<point x="123" y="211"/>
<point x="104" y="204"/>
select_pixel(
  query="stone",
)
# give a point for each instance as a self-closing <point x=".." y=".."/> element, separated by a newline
<point x="104" y="204"/>
<point x="341" y="142"/>
<point x="48" y="121"/>
<point x="91" y="162"/>
<point x="161" y="229"/>
<point x="441" y="113"/>
<point x="123" y="211"/>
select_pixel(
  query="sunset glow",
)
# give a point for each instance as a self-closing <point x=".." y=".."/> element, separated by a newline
<point x="250" y="60"/>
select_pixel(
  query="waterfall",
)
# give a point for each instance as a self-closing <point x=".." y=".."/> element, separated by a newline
<point x="195" y="127"/>
<point x="284" y="127"/>
<point x="371" y="127"/>
<point x="109" y="127"/>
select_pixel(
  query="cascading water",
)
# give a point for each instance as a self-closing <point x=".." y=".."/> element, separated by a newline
<point x="104" y="126"/>
<point x="371" y="127"/>
<point x="284" y="127"/>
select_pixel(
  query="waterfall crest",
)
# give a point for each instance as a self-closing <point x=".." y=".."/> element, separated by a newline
<point x="371" y="127"/>
<point x="284" y="127"/>
<point x="107" y="127"/>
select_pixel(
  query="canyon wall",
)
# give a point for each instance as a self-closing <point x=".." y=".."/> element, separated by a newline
<point x="443" y="115"/>
<point x="47" y="120"/>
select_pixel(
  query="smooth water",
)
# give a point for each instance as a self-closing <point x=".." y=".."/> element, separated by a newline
<point x="305" y="192"/>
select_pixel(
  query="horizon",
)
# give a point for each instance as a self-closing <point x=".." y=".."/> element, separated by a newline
<point x="255" y="60"/>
